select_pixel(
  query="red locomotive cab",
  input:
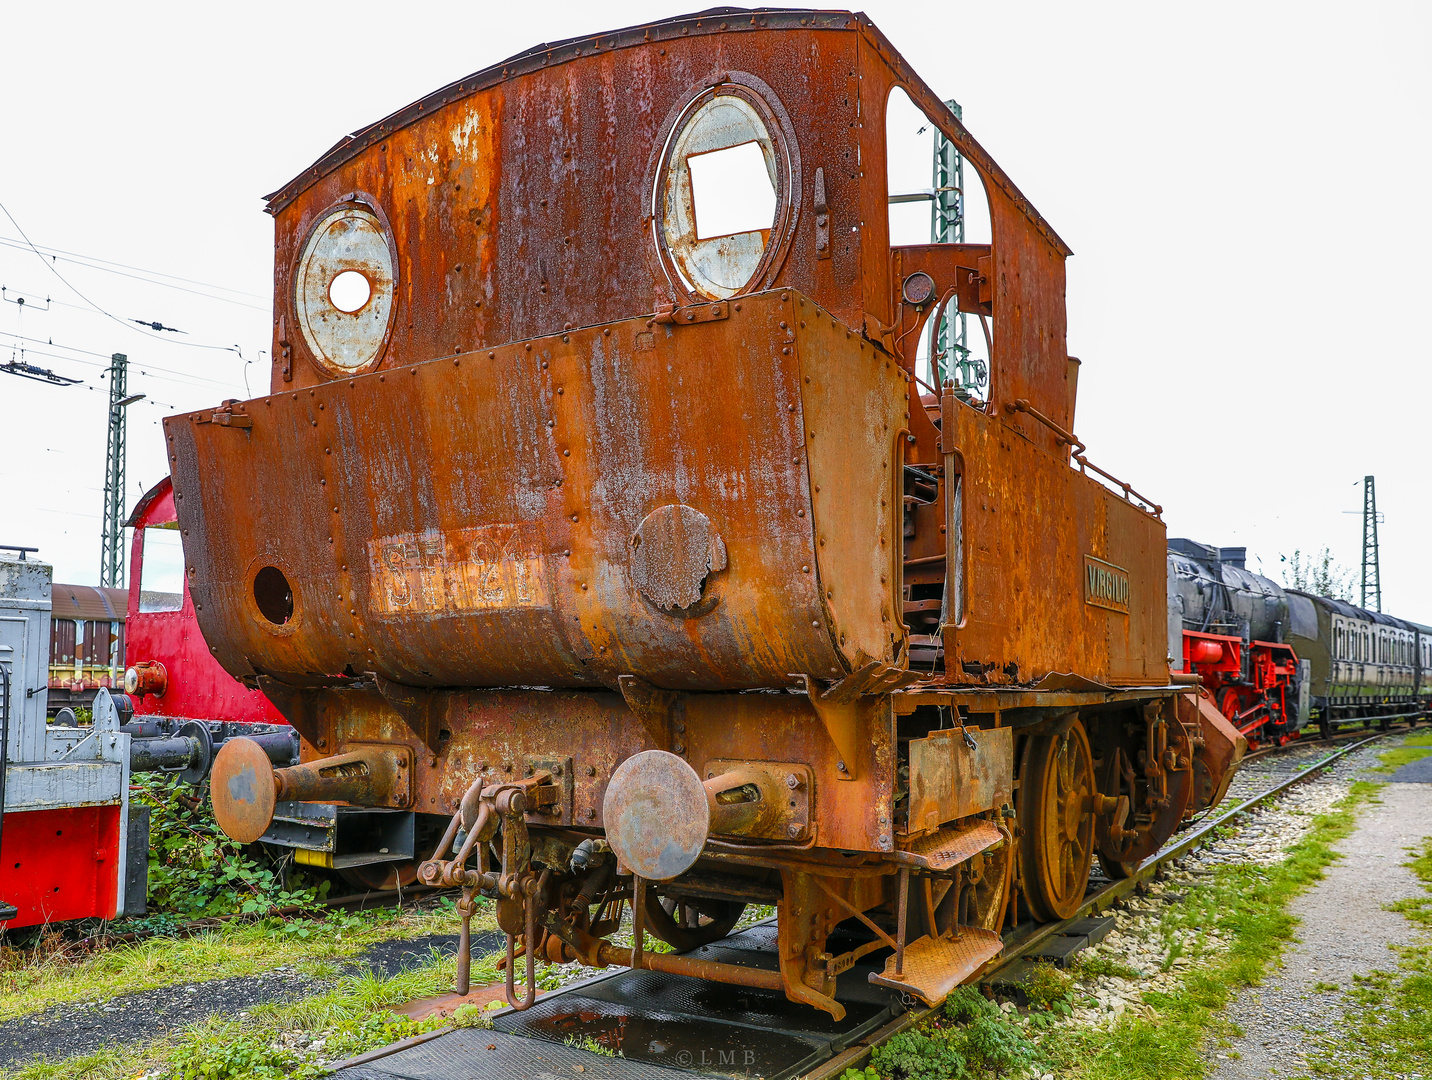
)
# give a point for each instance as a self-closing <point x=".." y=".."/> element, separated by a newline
<point x="169" y="669"/>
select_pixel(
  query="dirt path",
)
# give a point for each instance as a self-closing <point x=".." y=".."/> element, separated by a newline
<point x="1344" y="931"/>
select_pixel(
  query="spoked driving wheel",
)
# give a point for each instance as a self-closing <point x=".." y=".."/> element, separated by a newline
<point x="687" y="923"/>
<point x="1055" y="853"/>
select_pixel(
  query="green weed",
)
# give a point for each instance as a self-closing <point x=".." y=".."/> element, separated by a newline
<point x="1047" y="986"/>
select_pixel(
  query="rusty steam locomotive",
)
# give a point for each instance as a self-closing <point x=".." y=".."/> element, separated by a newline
<point x="597" y="523"/>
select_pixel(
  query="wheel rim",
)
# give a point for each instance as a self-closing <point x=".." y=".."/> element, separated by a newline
<point x="1057" y="849"/>
<point x="714" y="919"/>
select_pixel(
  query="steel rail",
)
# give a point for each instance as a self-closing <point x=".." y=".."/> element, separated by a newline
<point x="1016" y="948"/>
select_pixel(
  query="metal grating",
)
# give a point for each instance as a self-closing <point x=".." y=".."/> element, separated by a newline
<point x="748" y="1006"/>
<point x="470" y="1053"/>
<point x="656" y="1035"/>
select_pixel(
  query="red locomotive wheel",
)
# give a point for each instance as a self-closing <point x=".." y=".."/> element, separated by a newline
<point x="1057" y="848"/>
<point x="1228" y="702"/>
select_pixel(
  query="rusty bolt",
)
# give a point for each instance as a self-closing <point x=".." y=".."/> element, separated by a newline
<point x="840" y="765"/>
<point x="681" y="748"/>
<point x="322" y="743"/>
<point x="591" y="813"/>
<point x="793" y="830"/>
<point x="680" y="727"/>
<point x="591" y="770"/>
<point x="805" y="568"/>
<point x="433" y="761"/>
<point x="530" y="770"/>
<point x="792" y="781"/>
<point x="556" y="770"/>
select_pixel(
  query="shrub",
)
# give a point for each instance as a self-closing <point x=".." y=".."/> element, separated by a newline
<point x="1047" y="986"/>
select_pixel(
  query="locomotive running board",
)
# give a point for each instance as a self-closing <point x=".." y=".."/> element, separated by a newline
<point x="936" y="965"/>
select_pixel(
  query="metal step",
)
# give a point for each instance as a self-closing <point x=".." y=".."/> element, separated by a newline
<point x="936" y="965"/>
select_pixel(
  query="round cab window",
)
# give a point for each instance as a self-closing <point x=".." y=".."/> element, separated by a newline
<point x="344" y="290"/>
<point x="721" y="196"/>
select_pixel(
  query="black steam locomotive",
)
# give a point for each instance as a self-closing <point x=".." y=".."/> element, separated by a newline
<point x="1277" y="659"/>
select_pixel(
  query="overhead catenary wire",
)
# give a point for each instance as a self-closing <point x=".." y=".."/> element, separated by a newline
<point x="111" y="267"/>
<point x="49" y="263"/>
<point x="141" y="368"/>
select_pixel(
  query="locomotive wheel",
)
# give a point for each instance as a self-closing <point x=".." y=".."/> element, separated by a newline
<point x="1057" y="848"/>
<point x="380" y="877"/>
<point x="669" y="919"/>
<point x="1228" y="703"/>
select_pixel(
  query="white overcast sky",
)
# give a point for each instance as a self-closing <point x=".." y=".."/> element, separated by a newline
<point x="1244" y="186"/>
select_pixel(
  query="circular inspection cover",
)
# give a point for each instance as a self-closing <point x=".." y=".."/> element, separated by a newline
<point x="656" y="815"/>
<point x="243" y="790"/>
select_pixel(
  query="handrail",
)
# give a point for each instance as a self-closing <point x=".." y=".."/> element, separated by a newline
<point x="1023" y="405"/>
<point x="1067" y="437"/>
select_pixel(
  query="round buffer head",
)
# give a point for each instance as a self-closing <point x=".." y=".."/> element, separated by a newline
<point x="243" y="790"/>
<point x="656" y="815"/>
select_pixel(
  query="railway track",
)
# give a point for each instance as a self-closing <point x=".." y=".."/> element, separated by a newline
<point x="660" y="1021"/>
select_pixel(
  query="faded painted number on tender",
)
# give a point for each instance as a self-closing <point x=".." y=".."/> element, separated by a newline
<point x="488" y="567"/>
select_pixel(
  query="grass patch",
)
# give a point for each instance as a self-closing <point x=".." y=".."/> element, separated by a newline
<point x="296" y="1040"/>
<point x="40" y="978"/>
<point x="1412" y="748"/>
<point x="1246" y="904"/>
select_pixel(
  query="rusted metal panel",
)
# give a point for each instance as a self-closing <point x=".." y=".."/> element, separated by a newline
<point x="493" y="190"/>
<point x="520" y="560"/>
<point x="854" y="405"/>
<point x="950" y="778"/>
<point x="1029" y="522"/>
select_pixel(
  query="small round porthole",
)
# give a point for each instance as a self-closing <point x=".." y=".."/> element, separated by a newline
<point x="273" y="595"/>
<point x="724" y="192"/>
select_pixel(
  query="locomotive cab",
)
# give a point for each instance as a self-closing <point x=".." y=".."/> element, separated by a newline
<point x="581" y="511"/>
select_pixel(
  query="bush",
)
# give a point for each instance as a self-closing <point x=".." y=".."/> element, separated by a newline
<point x="1047" y="986"/>
<point x="195" y="870"/>
<point x="915" y="1055"/>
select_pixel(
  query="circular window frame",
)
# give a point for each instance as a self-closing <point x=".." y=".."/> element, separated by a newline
<point x="782" y="132"/>
<point x="257" y="564"/>
<point x="297" y="337"/>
